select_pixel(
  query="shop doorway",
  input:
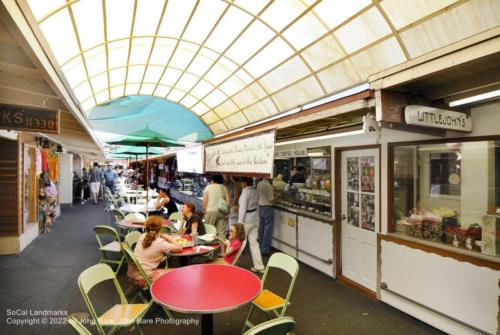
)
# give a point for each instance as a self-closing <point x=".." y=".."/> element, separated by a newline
<point x="359" y="216"/>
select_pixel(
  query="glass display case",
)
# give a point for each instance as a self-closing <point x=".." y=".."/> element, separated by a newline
<point x="308" y="188"/>
<point x="449" y="193"/>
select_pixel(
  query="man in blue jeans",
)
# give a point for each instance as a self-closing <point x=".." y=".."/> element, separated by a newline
<point x="265" y="195"/>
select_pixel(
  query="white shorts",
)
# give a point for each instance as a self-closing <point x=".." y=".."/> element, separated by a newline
<point x="95" y="187"/>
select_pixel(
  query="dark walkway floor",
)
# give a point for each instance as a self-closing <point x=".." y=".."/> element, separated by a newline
<point x="44" y="278"/>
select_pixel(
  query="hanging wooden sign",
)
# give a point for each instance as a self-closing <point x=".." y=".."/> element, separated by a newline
<point x="23" y="118"/>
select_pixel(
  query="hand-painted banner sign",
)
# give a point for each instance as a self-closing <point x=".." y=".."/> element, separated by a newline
<point x="29" y="119"/>
<point x="253" y="156"/>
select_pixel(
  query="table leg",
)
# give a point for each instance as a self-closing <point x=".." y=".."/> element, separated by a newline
<point x="207" y="324"/>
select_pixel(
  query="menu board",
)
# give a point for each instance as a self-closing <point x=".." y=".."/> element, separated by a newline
<point x="190" y="159"/>
<point x="250" y="156"/>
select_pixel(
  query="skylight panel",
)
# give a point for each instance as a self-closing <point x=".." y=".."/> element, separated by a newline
<point x="249" y="42"/>
<point x="201" y="89"/>
<point x="176" y="17"/>
<point x="303" y="32"/>
<point x="273" y="54"/>
<point x="43" y="8"/>
<point x="363" y="30"/>
<point x="323" y="53"/>
<point x="287" y="73"/>
<point x="118" y="53"/>
<point x="74" y="72"/>
<point x="206" y="15"/>
<point x="200" y="65"/>
<point x="117" y="91"/>
<point x="135" y="73"/>
<point x="153" y="73"/>
<point x="96" y="61"/>
<point x="282" y="12"/>
<point x="162" y="51"/>
<point x="88" y="104"/>
<point x="214" y="98"/>
<point x="170" y="76"/>
<point x="141" y="47"/>
<point x="200" y="108"/>
<point x="304" y="91"/>
<point x="59" y="33"/>
<point x="89" y="11"/>
<point x="233" y="22"/>
<point x="99" y="82"/>
<point x="189" y="101"/>
<point x="186" y="82"/>
<point x="83" y="91"/>
<point x="334" y="12"/>
<point x="226" y="109"/>
<point x="119" y="14"/>
<point x="102" y="96"/>
<point x="232" y="85"/>
<point x="161" y="91"/>
<point x="147" y="89"/>
<point x="147" y="17"/>
<point x="132" y="89"/>
<point x="254" y="6"/>
<point x="175" y="95"/>
<point x="117" y="76"/>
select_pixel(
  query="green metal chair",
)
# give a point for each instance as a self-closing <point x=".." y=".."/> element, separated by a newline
<point x="118" y="316"/>
<point x="132" y="260"/>
<point x="117" y="216"/>
<point x="132" y="238"/>
<point x="278" y="326"/>
<point x="109" y="243"/>
<point x="175" y="216"/>
<point x="78" y="326"/>
<point x="209" y="229"/>
<point x="269" y="302"/>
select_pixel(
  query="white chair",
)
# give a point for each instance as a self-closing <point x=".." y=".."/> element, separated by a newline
<point x="279" y="326"/>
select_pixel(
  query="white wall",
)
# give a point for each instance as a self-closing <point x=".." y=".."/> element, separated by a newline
<point x="65" y="178"/>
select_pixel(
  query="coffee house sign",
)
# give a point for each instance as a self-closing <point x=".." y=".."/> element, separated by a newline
<point x="29" y="119"/>
<point x="424" y="116"/>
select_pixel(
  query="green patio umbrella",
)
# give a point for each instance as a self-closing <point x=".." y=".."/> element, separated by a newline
<point x="139" y="145"/>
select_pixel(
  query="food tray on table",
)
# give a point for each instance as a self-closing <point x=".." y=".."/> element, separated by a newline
<point x="185" y="242"/>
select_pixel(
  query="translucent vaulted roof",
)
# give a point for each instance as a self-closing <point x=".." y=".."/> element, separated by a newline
<point x="236" y="62"/>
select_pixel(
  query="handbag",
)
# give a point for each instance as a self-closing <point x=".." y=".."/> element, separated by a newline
<point x="223" y="206"/>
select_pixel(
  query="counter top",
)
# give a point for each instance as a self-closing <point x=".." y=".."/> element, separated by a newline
<point x="302" y="212"/>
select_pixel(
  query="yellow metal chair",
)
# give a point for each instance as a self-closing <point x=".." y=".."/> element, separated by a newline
<point x="278" y="326"/>
<point x="129" y="254"/>
<point x="269" y="302"/>
<point x="118" y="316"/>
<point x="109" y="243"/>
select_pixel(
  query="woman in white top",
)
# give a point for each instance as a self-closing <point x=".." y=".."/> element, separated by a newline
<point x="249" y="217"/>
<point x="212" y="196"/>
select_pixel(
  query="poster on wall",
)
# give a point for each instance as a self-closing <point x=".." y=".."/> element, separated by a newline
<point x="250" y="155"/>
<point x="190" y="159"/>
<point x="368" y="174"/>
<point x="368" y="212"/>
<point x="353" y="209"/>
<point x="353" y="173"/>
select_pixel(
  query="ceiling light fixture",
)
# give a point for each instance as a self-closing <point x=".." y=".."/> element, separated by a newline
<point x="475" y="98"/>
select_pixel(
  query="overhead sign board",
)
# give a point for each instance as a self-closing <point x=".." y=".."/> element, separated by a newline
<point x="29" y="119"/>
<point x="424" y="116"/>
<point x="285" y="154"/>
<point x="252" y="155"/>
<point x="190" y="159"/>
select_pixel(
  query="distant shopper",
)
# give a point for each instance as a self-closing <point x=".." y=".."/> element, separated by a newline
<point x="265" y="195"/>
<point x="216" y="204"/>
<point x="249" y="217"/>
<point x="164" y="202"/>
<point x="233" y="186"/>
<point x="150" y="249"/>
<point x="95" y="178"/>
<point x="110" y="177"/>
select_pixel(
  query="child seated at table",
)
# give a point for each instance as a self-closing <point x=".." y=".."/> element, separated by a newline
<point x="233" y="245"/>
<point x="150" y="250"/>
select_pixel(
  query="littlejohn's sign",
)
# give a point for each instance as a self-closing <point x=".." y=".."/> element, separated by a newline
<point x="424" y="116"/>
<point x="29" y="119"/>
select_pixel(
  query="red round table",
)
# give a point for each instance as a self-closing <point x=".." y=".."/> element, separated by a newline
<point x="206" y="289"/>
<point x="138" y="225"/>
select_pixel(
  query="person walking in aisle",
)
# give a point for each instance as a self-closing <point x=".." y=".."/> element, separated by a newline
<point x="215" y="194"/>
<point x="95" y="178"/>
<point x="249" y="217"/>
<point x="110" y="177"/>
<point x="265" y="195"/>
